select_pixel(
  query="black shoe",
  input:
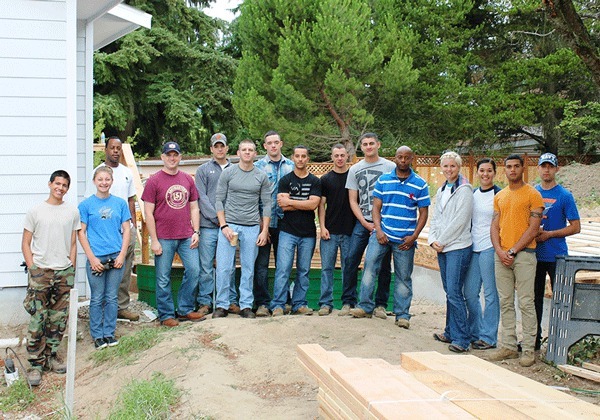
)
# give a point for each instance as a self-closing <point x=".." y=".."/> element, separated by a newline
<point x="99" y="343"/>
<point x="111" y="341"/>
<point x="457" y="349"/>
<point x="220" y="313"/>
<point x="247" y="313"/>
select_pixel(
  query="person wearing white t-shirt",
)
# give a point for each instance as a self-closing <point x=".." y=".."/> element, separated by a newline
<point x="124" y="188"/>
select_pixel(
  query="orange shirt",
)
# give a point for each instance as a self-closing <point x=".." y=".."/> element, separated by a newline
<point x="514" y="208"/>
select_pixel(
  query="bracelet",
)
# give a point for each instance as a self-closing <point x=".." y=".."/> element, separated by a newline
<point x="224" y="226"/>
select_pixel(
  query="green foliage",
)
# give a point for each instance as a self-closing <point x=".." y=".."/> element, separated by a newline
<point x="584" y="350"/>
<point x="151" y="399"/>
<point x="16" y="397"/>
<point x="581" y="125"/>
<point x="129" y="347"/>
<point x="170" y="82"/>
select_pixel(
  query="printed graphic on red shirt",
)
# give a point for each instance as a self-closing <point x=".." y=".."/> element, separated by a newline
<point x="177" y="196"/>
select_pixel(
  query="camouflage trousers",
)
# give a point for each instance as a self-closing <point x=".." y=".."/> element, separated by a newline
<point x="47" y="301"/>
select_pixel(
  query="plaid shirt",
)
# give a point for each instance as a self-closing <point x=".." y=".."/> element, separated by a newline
<point x="275" y="171"/>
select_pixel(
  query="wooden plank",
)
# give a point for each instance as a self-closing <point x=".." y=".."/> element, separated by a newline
<point x="335" y="407"/>
<point x="523" y="394"/>
<point x="581" y="372"/>
<point x="591" y="366"/>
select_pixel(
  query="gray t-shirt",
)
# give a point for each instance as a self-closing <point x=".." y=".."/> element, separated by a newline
<point x="52" y="227"/>
<point x="239" y="192"/>
<point x="362" y="178"/>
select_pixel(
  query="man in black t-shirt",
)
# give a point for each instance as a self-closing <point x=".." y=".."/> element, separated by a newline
<point x="336" y="221"/>
<point x="299" y="195"/>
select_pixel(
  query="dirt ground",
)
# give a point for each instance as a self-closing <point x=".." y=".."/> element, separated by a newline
<point x="238" y="368"/>
<point x="234" y="368"/>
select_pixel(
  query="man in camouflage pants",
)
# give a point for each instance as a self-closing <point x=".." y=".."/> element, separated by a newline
<point x="49" y="249"/>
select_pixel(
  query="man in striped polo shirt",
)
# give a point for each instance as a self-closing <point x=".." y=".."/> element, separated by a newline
<point x="400" y="208"/>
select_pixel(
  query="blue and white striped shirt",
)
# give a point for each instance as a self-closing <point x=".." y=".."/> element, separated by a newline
<point x="400" y="202"/>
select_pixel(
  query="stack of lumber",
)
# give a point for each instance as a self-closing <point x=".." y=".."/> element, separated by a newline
<point x="431" y="385"/>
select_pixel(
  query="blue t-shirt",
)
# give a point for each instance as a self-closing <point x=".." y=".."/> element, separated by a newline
<point x="103" y="218"/>
<point x="559" y="207"/>
<point x="400" y="203"/>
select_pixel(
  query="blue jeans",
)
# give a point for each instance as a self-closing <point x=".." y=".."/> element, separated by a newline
<point x="453" y="268"/>
<point x="358" y="243"/>
<point x="226" y="265"/>
<point x="481" y="271"/>
<point x="191" y="271"/>
<point x="329" y="250"/>
<point x="103" y="302"/>
<point x="261" y="270"/>
<point x="403" y="268"/>
<point x="288" y="244"/>
<point x="207" y="249"/>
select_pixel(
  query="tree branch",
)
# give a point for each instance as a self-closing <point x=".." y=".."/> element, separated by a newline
<point x="532" y="33"/>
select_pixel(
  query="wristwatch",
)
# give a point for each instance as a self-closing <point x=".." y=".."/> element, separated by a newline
<point x="512" y="252"/>
<point x="197" y="232"/>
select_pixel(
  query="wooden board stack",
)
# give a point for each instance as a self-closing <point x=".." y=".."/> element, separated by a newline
<point x="431" y="385"/>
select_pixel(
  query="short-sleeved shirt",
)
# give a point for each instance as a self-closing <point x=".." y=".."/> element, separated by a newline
<point x="52" y="227"/>
<point x="559" y="207"/>
<point x="362" y="178"/>
<point x="400" y="202"/>
<point x="483" y="212"/>
<point x="299" y="223"/>
<point x="171" y="195"/>
<point x="339" y="219"/>
<point x="275" y="171"/>
<point x="122" y="187"/>
<point x="514" y="208"/>
<point x="103" y="218"/>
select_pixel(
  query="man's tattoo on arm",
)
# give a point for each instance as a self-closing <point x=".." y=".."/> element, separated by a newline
<point x="495" y="215"/>
<point x="535" y="214"/>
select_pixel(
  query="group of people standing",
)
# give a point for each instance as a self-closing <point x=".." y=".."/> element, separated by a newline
<point x="487" y="236"/>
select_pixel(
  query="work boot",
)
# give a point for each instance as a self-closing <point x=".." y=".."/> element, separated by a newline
<point x="277" y="312"/>
<point x="325" y="310"/>
<point x="247" y="313"/>
<point x="380" y="312"/>
<point x="303" y="310"/>
<point x="56" y="365"/>
<point x="127" y="314"/>
<point x="403" y="323"/>
<point x="503" y="353"/>
<point x="360" y="313"/>
<point x="287" y="310"/>
<point x="170" y="322"/>
<point x="234" y="309"/>
<point x="204" y="310"/>
<point x="345" y="311"/>
<point x="262" y="311"/>
<point x="34" y="377"/>
<point x="527" y="358"/>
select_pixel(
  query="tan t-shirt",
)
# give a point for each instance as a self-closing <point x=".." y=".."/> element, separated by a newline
<point x="52" y="227"/>
<point x="514" y="208"/>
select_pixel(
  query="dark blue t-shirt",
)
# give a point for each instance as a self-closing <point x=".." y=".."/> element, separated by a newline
<point x="559" y="207"/>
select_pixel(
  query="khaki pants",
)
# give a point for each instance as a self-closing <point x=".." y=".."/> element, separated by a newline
<point x="123" y="294"/>
<point x="519" y="276"/>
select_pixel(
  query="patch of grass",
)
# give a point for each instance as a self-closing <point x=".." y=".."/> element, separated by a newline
<point x="129" y="347"/>
<point x="151" y="399"/>
<point x="16" y="397"/>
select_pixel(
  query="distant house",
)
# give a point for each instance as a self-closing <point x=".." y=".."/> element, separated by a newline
<point x="46" y="96"/>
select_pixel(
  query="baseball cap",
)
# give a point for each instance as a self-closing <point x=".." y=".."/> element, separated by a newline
<point x="548" y="157"/>
<point x="171" y="146"/>
<point x="218" y="138"/>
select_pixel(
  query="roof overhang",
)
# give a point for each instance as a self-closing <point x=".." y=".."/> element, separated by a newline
<point x="111" y="19"/>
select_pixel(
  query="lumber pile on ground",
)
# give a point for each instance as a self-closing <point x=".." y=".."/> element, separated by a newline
<point x="431" y="385"/>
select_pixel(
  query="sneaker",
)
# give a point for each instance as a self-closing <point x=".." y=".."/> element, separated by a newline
<point x="527" y="358"/>
<point x="503" y="353"/>
<point x="262" y="311"/>
<point x="220" y="313"/>
<point x="359" y="313"/>
<point x="403" y="323"/>
<point x="100" y="344"/>
<point x="277" y="312"/>
<point x="441" y="337"/>
<point x="111" y="341"/>
<point x="345" y="311"/>
<point x="234" y="309"/>
<point x="127" y="314"/>
<point x="247" y="313"/>
<point x="325" y="310"/>
<point x="204" y="309"/>
<point x="288" y="309"/>
<point x="457" y="349"/>
<point x="56" y="365"/>
<point x="303" y="310"/>
<point x="34" y="377"/>
<point x="170" y="322"/>
<point x="482" y="345"/>
<point x="192" y="316"/>
<point x="380" y="312"/>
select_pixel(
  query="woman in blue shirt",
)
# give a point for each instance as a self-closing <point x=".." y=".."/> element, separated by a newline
<point x="104" y="236"/>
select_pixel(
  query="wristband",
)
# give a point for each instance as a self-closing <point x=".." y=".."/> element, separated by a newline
<point x="224" y="226"/>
